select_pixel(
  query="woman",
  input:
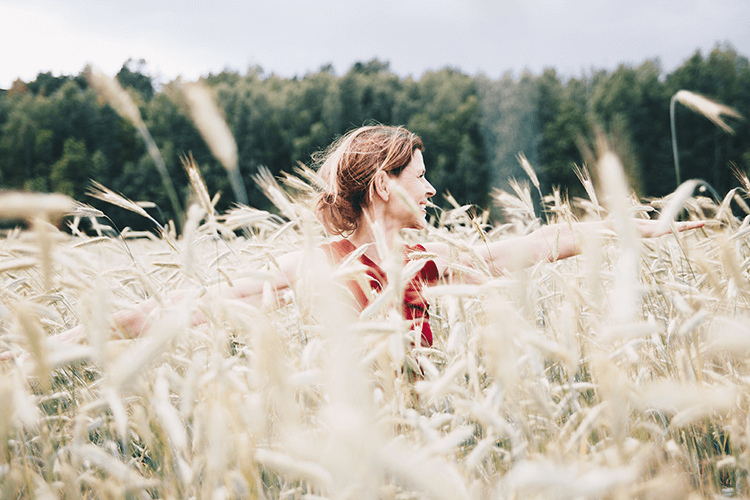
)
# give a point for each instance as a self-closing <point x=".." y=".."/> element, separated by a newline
<point x="377" y="175"/>
<point x="376" y="178"/>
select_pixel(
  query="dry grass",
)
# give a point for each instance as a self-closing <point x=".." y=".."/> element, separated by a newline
<point x="545" y="383"/>
<point x="708" y="108"/>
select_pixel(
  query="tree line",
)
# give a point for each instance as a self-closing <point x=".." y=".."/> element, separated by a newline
<point x="56" y="133"/>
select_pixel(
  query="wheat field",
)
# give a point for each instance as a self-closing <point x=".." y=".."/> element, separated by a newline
<point x="620" y="373"/>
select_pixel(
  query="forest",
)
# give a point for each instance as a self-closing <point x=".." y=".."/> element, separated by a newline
<point x="57" y="134"/>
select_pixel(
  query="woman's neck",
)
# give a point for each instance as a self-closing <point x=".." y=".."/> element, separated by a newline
<point x="365" y="234"/>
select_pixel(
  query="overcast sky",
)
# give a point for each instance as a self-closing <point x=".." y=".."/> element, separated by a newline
<point x="293" y="37"/>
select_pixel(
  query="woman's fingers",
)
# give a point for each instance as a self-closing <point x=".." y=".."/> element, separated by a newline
<point x="687" y="225"/>
<point x="649" y="228"/>
<point x="19" y="354"/>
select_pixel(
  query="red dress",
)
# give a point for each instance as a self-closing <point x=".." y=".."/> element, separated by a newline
<point x="415" y="305"/>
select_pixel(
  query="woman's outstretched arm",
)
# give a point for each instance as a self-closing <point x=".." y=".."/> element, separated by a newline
<point x="134" y="322"/>
<point x="131" y="323"/>
<point x="547" y="244"/>
<point x="560" y="241"/>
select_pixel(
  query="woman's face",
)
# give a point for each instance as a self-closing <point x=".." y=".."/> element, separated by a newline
<point x="412" y="179"/>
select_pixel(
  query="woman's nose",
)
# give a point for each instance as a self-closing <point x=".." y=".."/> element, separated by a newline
<point x="430" y="189"/>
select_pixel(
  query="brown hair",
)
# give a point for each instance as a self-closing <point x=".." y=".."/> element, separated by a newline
<point x="348" y="166"/>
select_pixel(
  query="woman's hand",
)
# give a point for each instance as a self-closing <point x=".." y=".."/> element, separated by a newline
<point x="16" y="353"/>
<point x="72" y="335"/>
<point x="648" y="228"/>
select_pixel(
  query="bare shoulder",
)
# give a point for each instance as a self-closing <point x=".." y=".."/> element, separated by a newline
<point x="292" y="263"/>
<point x="282" y="272"/>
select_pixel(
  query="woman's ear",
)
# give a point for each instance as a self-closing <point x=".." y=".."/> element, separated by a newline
<point x="382" y="187"/>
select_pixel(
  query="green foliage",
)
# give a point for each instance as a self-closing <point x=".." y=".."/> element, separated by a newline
<point x="71" y="171"/>
<point x="561" y="123"/>
<point x="629" y="105"/>
<point x="131" y="76"/>
<point x="47" y="84"/>
<point x="448" y="120"/>
<point x="473" y="127"/>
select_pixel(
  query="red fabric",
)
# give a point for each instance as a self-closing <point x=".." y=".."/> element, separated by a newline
<point x="415" y="305"/>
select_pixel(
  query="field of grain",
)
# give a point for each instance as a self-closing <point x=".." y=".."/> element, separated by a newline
<point x="620" y="373"/>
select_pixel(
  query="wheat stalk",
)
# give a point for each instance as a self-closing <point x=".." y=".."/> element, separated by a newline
<point x="210" y="122"/>
<point x="121" y="101"/>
